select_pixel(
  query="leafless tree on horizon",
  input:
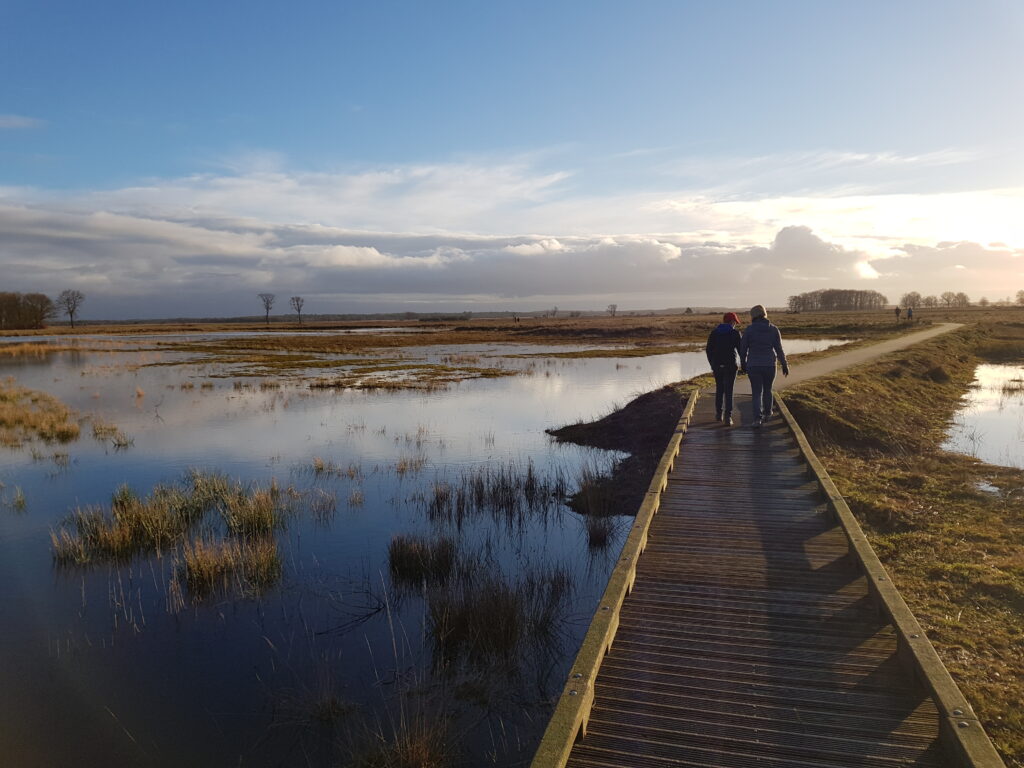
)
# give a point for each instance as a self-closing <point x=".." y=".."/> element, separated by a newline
<point x="68" y="302"/>
<point x="297" y="303"/>
<point x="268" y="302"/>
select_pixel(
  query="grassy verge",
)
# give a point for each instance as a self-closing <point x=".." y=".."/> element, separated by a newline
<point x="956" y="552"/>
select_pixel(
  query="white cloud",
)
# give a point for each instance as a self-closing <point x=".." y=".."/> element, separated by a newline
<point x="454" y="233"/>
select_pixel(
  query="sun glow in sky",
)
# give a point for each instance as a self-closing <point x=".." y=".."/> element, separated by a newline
<point x="175" y="159"/>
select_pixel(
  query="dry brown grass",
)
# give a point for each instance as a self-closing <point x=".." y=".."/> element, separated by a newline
<point x="955" y="552"/>
<point x="32" y="349"/>
<point x="26" y="414"/>
<point x="230" y="565"/>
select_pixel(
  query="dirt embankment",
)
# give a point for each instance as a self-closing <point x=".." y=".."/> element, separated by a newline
<point x="642" y="429"/>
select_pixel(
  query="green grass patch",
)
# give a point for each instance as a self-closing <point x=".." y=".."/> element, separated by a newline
<point x="955" y="552"/>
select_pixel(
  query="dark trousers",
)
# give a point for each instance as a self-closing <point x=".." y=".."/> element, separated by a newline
<point x="762" y="377"/>
<point x="725" y="380"/>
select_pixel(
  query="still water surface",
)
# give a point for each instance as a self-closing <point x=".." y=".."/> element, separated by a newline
<point x="96" y="667"/>
<point x="990" y="422"/>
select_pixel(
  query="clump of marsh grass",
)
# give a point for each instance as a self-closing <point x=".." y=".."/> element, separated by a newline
<point x="255" y="512"/>
<point x="103" y="430"/>
<point x="483" y="616"/>
<point x="595" y="500"/>
<point x="421" y="744"/>
<point x="417" y="560"/>
<point x="321" y="466"/>
<point x="26" y="414"/>
<point x="247" y="566"/>
<point x="507" y="493"/>
<point x="120" y="440"/>
<point x="599" y="531"/>
<point x="322" y="506"/>
<point x="134" y="525"/>
<point x="409" y="465"/>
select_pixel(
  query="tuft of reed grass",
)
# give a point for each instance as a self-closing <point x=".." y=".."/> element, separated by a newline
<point x="599" y="531"/>
<point x="484" y="617"/>
<point x="407" y="465"/>
<point x="252" y="513"/>
<point x="248" y="566"/>
<point x="103" y="430"/>
<point x="508" y="493"/>
<point x="416" y="560"/>
<point x="26" y="414"/>
<point x="136" y="525"/>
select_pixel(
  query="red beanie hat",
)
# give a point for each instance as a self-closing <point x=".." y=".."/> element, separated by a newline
<point x="731" y="317"/>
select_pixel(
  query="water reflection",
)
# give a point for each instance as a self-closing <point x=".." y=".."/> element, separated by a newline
<point x="990" y="424"/>
<point x="137" y="675"/>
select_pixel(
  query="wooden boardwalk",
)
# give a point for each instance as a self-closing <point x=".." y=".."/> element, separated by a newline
<point x="751" y="635"/>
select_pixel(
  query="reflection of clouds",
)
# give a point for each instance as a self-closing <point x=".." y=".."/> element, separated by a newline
<point x="990" y="422"/>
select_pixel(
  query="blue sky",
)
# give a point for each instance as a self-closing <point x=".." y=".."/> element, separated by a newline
<point x="173" y="159"/>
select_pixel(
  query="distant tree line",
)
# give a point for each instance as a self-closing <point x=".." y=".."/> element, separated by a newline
<point x="836" y="300"/>
<point x="25" y="310"/>
<point x="947" y="299"/>
<point x="21" y="311"/>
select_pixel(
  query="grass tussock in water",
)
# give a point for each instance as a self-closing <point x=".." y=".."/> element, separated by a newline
<point x="417" y="560"/>
<point x="246" y="566"/>
<point x="954" y="550"/>
<point x="253" y="512"/>
<point x="485" y="617"/>
<point x="135" y="525"/>
<point x="26" y="415"/>
<point x="416" y="739"/>
<point x="509" y="493"/>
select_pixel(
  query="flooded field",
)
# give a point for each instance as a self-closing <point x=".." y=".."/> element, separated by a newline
<point x="990" y="425"/>
<point x="232" y="569"/>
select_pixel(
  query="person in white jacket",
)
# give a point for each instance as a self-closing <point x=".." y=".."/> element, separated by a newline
<point x="760" y="348"/>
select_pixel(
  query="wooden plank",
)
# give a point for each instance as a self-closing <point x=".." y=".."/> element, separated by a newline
<point x="747" y="634"/>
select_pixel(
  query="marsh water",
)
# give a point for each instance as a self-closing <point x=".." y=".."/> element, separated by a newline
<point x="102" y="665"/>
<point x="990" y="422"/>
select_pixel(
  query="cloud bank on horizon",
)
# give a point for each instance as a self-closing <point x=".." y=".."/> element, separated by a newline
<point x="394" y="157"/>
<point x="494" y="236"/>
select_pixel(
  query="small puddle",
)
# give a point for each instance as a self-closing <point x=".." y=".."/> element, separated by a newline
<point x="990" y="423"/>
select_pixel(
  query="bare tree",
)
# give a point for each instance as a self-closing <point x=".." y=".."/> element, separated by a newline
<point x="612" y="309"/>
<point x="962" y="300"/>
<point x="297" y="303"/>
<point x="1020" y="297"/>
<point x="68" y="302"/>
<point x="948" y="298"/>
<point x="930" y="301"/>
<point x="268" y="302"/>
<point x="983" y="301"/>
<point x="911" y="300"/>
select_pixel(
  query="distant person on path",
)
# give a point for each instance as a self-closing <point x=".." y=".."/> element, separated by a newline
<point x="760" y="347"/>
<point x="897" y="314"/>
<point x="910" y="314"/>
<point x="723" y="349"/>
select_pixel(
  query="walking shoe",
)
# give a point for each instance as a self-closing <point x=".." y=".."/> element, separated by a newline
<point x="718" y="415"/>
<point x="757" y="423"/>
<point x="728" y="421"/>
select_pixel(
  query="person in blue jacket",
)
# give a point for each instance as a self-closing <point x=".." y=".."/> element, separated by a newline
<point x="723" y="350"/>
<point x="760" y="347"/>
